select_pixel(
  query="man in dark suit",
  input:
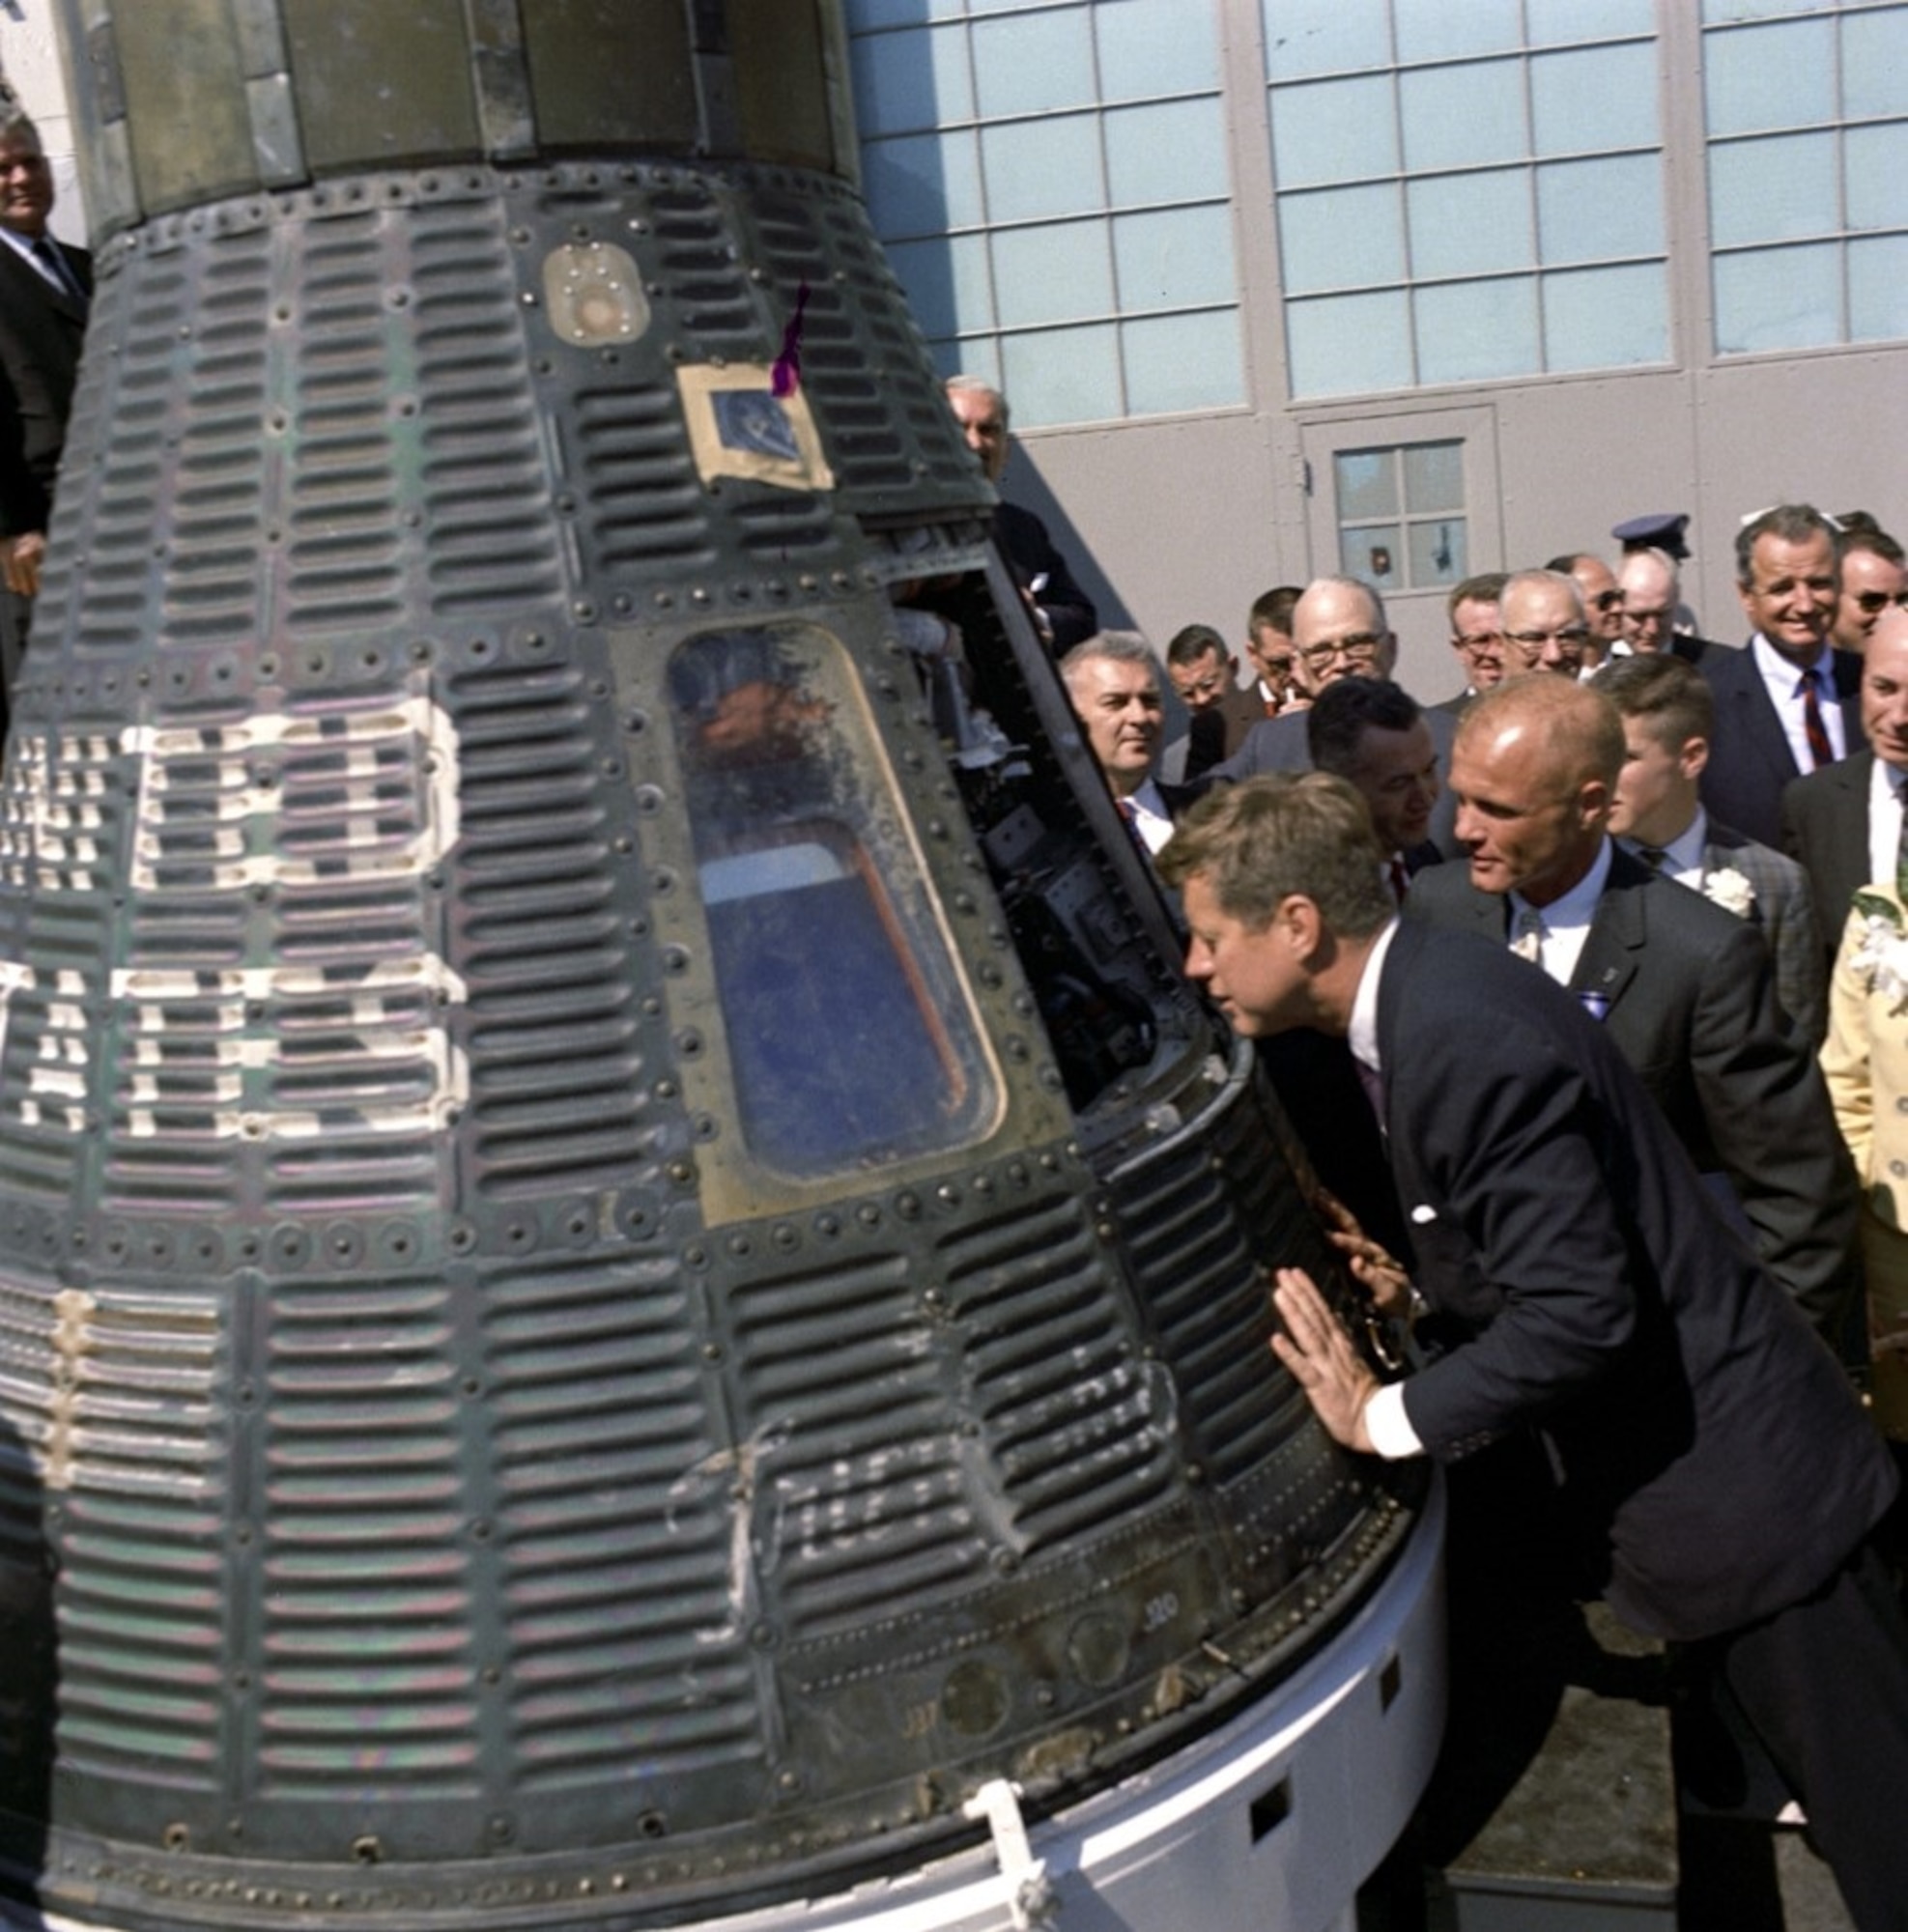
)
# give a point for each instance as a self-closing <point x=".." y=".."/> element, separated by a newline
<point x="1683" y="988"/>
<point x="1844" y="823"/>
<point x="1372" y="734"/>
<point x="1112" y="681"/>
<point x="1219" y="710"/>
<point x="1062" y="613"/>
<point x="1787" y="703"/>
<point x="1719" y="1482"/>
<point x="45" y="291"/>
<point x="1652" y="595"/>
<point x="1658" y="816"/>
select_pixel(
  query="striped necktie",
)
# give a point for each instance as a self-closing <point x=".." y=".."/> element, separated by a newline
<point x="54" y="266"/>
<point x="1813" y="726"/>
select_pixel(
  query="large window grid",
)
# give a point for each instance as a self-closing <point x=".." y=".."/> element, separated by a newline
<point x="1807" y="116"/>
<point x="1465" y="193"/>
<point x="1052" y="185"/>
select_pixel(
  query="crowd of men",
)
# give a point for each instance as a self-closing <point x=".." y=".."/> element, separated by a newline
<point x="1572" y="936"/>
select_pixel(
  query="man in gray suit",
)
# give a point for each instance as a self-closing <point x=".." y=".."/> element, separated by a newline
<point x="1658" y="815"/>
<point x="45" y="291"/>
<point x="1684" y="990"/>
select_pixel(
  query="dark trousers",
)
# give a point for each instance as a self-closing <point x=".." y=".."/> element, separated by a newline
<point x="1825" y="1684"/>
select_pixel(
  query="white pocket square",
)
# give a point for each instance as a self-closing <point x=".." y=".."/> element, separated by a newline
<point x="1421" y="1215"/>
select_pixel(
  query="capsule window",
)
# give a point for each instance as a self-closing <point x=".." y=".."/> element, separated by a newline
<point x="851" y="1038"/>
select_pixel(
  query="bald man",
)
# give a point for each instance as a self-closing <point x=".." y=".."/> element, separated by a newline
<point x="1685" y="989"/>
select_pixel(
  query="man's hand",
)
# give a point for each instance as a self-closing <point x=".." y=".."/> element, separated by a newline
<point x="1322" y="1359"/>
<point x="20" y="563"/>
<point x="1371" y="1267"/>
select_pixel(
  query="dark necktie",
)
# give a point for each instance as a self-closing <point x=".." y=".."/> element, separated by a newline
<point x="1130" y="813"/>
<point x="1373" y="1082"/>
<point x="53" y="265"/>
<point x="1400" y="882"/>
<point x="1652" y="856"/>
<point x="1814" y="728"/>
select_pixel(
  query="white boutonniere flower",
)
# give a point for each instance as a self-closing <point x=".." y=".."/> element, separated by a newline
<point x="1731" y="890"/>
<point x="1882" y="957"/>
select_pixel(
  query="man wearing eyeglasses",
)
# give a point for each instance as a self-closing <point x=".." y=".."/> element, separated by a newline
<point x="1478" y="635"/>
<point x="1338" y="629"/>
<point x="1545" y="628"/>
<point x="1652" y="595"/>
<point x="1602" y="603"/>
<point x="1873" y="579"/>
<point x="45" y="291"/>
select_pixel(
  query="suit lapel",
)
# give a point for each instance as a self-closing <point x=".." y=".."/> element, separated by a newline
<point x="1608" y="963"/>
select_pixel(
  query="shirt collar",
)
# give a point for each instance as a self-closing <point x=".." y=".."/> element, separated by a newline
<point x="1579" y="906"/>
<point x="1780" y="672"/>
<point x="1361" y="1036"/>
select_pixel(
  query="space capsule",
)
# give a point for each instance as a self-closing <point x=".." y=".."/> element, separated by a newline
<point x="631" y="1291"/>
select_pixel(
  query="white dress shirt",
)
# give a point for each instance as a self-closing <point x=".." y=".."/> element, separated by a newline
<point x="1781" y="678"/>
<point x="1567" y="919"/>
<point x="1150" y="818"/>
<point x="1885" y="786"/>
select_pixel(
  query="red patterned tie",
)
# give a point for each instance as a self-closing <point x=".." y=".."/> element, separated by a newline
<point x="1130" y="813"/>
<point x="1817" y="733"/>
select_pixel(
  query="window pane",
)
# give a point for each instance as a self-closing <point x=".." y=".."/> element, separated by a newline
<point x="923" y="184"/>
<point x="1183" y="362"/>
<point x="1877" y="162"/>
<point x="1064" y="374"/>
<point x="1154" y="46"/>
<point x="1307" y="37"/>
<point x="1174" y="151"/>
<point x="1438" y="30"/>
<point x="1606" y="318"/>
<point x="1043" y="168"/>
<point x="1874" y="64"/>
<point x="1334" y="130"/>
<point x="1034" y="63"/>
<point x="850" y="1036"/>
<point x="1175" y="258"/>
<point x="1056" y="272"/>
<point x="1457" y="117"/>
<point x="863" y="14"/>
<point x="905" y="82"/>
<point x="1366" y="483"/>
<point x="1588" y="211"/>
<point x="1878" y="289"/>
<point x="1775" y="77"/>
<point x="1468" y="224"/>
<point x="1555" y="23"/>
<point x="1434" y="477"/>
<point x="947" y="282"/>
<point x="1724" y="12"/>
<point x="1341" y="238"/>
<point x="1478" y="329"/>
<point x="1375" y="553"/>
<point x="1769" y="190"/>
<point x="1777" y="298"/>
<point x="1435" y="553"/>
<point x="1342" y="344"/>
<point x="1598" y="98"/>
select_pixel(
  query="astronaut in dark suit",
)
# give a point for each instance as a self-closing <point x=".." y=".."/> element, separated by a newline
<point x="45" y="291"/>
<point x="1719" y="1481"/>
<point x="1063" y="613"/>
<point x="1684" y="990"/>
<point x="1844" y="823"/>
<point x="1787" y="702"/>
